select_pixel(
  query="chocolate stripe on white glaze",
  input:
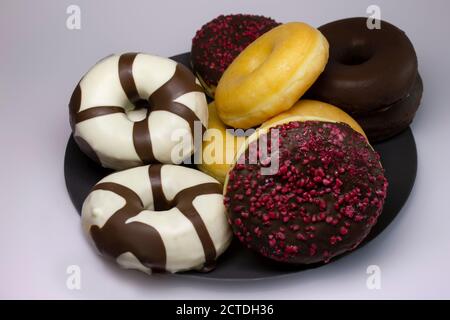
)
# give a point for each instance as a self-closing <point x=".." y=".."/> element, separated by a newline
<point x="182" y="82"/>
<point x="160" y="201"/>
<point x="74" y="105"/>
<point x="74" y="108"/>
<point x="143" y="241"/>
<point x="184" y="202"/>
<point x="182" y="111"/>
<point x="96" y="112"/>
<point x="142" y="140"/>
<point x="127" y="80"/>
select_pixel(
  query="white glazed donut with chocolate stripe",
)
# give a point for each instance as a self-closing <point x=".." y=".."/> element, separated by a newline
<point x="135" y="108"/>
<point x="158" y="218"/>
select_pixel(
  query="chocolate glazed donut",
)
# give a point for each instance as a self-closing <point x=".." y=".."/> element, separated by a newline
<point x="388" y="122"/>
<point x="369" y="70"/>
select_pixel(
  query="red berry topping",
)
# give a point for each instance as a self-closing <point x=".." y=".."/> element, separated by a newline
<point x="221" y="40"/>
<point x="322" y="200"/>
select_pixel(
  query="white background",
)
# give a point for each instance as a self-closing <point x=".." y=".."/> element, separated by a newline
<point x="40" y="63"/>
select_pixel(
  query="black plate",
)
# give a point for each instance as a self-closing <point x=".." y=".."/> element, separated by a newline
<point x="398" y="156"/>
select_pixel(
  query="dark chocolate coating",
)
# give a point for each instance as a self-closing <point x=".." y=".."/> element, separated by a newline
<point x="368" y="69"/>
<point x="322" y="201"/>
<point x="386" y="123"/>
<point x="221" y="40"/>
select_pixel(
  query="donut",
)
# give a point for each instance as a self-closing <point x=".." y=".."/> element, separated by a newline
<point x="158" y="218"/>
<point x="220" y="41"/>
<point x="311" y="110"/>
<point x="321" y="201"/>
<point x="134" y="108"/>
<point x="386" y="123"/>
<point x="369" y="70"/>
<point x="271" y="74"/>
<point x="219" y="147"/>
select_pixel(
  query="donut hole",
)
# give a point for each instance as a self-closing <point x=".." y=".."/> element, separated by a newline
<point x="258" y="58"/>
<point x="355" y="55"/>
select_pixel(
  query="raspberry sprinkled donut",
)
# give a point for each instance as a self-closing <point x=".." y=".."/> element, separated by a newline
<point x="221" y="40"/>
<point x="134" y="108"/>
<point x="322" y="200"/>
<point x="158" y="218"/>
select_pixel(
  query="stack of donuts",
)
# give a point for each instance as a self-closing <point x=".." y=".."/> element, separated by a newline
<point x="128" y="113"/>
<point x="371" y="74"/>
<point x="286" y="164"/>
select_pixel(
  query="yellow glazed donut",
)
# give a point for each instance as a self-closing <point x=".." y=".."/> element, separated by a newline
<point x="219" y="147"/>
<point x="216" y="150"/>
<point x="312" y="110"/>
<point x="271" y="74"/>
